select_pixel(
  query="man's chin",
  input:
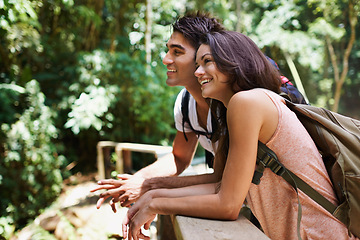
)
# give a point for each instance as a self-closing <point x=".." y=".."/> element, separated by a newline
<point x="171" y="83"/>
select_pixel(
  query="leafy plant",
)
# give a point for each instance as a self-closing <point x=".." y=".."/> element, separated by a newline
<point x="30" y="175"/>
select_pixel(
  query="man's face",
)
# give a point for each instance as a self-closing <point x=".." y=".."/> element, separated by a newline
<point x="180" y="61"/>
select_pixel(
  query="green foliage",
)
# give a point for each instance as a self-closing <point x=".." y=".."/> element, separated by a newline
<point x="89" y="61"/>
<point x="107" y="83"/>
<point x="280" y="28"/>
<point x="30" y="175"/>
<point x="9" y="97"/>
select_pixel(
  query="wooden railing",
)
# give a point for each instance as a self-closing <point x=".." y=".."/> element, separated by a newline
<point x="179" y="227"/>
<point x="123" y="163"/>
<point x="188" y="228"/>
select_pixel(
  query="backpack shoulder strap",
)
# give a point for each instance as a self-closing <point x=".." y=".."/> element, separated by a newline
<point x="185" y="111"/>
<point x="266" y="158"/>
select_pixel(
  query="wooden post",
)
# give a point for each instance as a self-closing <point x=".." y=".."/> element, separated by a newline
<point x="127" y="161"/>
<point x="120" y="160"/>
<point x="107" y="161"/>
<point x="103" y="158"/>
<point x="100" y="161"/>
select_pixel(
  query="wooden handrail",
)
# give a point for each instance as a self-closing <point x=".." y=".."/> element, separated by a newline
<point x="188" y="228"/>
<point x="123" y="152"/>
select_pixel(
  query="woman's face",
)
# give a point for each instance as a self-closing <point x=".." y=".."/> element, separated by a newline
<point x="214" y="84"/>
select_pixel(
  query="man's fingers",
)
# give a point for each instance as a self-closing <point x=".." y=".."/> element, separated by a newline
<point x="127" y="205"/>
<point x="124" y="197"/>
<point x="112" y="192"/>
<point x="113" y="205"/>
<point x="101" y="187"/>
<point x="96" y="189"/>
<point x="115" y="182"/>
<point x="126" y="202"/>
<point x="124" y="176"/>
<point x="100" y="202"/>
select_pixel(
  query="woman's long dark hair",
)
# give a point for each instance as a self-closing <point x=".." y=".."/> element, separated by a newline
<point x="237" y="56"/>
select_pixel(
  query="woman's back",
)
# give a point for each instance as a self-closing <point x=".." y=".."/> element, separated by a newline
<point x="274" y="202"/>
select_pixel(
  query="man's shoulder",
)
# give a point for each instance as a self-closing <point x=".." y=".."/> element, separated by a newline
<point x="183" y="99"/>
<point x="180" y="105"/>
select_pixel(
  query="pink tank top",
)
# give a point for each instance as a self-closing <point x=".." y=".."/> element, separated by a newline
<point x="274" y="202"/>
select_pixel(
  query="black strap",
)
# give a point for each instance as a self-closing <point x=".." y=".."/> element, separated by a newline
<point x="209" y="159"/>
<point x="267" y="159"/>
<point x="185" y="112"/>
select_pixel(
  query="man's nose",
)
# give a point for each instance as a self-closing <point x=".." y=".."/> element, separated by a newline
<point x="167" y="59"/>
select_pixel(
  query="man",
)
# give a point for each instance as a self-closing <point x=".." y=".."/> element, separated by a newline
<point x="180" y="62"/>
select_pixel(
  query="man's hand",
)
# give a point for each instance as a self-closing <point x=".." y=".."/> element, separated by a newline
<point x="126" y="190"/>
<point x="132" y="188"/>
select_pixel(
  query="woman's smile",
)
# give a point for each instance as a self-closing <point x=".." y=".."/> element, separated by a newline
<point x="204" y="81"/>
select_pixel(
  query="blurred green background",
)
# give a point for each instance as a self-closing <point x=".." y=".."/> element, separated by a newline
<point x="73" y="73"/>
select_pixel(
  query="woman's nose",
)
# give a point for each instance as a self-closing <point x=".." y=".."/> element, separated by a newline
<point x="167" y="59"/>
<point x="199" y="72"/>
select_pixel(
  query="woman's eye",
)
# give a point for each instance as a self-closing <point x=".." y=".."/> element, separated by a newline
<point x="207" y="60"/>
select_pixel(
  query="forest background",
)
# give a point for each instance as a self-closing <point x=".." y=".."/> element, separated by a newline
<point x="73" y="73"/>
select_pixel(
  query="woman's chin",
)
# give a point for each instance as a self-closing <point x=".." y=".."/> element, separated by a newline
<point x="204" y="95"/>
<point x="207" y="96"/>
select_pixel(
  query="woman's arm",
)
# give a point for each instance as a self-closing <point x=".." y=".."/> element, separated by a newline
<point x="246" y="113"/>
<point x="251" y="116"/>
<point x="128" y="188"/>
<point x="144" y="200"/>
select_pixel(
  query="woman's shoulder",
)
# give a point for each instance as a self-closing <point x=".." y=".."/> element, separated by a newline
<point x="254" y="98"/>
<point x="254" y="102"/>
<point x="253" y="109"/>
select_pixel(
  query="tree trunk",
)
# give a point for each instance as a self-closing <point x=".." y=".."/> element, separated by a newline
<point x="238" y="15"/>
<point x="148" y="32"/>
<point x="340" y="79"/>
<point x="93" y="33"/>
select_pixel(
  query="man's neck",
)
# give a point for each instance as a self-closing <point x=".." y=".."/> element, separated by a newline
<point x="202" y="106"/>
<point x="195" y="91"/>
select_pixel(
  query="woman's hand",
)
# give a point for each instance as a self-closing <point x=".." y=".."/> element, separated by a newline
<point x="132" y="224"/>
<point x="137" y="216"/>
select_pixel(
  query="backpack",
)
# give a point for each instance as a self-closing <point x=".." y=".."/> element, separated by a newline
<point x="337" y="138"/>
<point x="288" y="90"/>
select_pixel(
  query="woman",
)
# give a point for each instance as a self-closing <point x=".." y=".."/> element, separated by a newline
<point x="244" y="85"/>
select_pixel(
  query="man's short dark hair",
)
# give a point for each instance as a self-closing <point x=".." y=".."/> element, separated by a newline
<point x="194" y="25"/>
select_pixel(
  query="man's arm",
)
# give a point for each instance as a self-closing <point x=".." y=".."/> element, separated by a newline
<point x="175" y="163"/>
<point x="130" y="187"/>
